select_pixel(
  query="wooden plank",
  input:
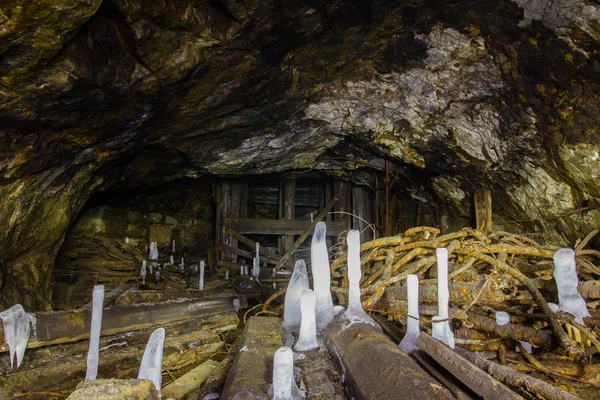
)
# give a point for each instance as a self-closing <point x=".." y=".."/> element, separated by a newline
<point x="340" y="190"/>
<point x="71" y="326"/>
<point x="252" y="368"/>
<point x="483" y="210"/>
<point x="249" y="242"/>
<point x="289" y="206"/>
<point x="308" y="231"/>
<point x="278" y="226"/>
<point x="474" y="378"/>
<point x="368" y="358"/>
<point x="251" y="255"/>
<point x="362" y="211"/>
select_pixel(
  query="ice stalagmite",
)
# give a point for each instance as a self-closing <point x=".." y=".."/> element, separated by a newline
<point x="565" y="275"/>
<point x="284" y="385"/>
<point x="441" y="330"/>
<point x="182" y="264"/>
<point x="201" y="282"/>
<point x="143" y="272"/>
<point x="503" y="318"/>
<point x="151" y="366"/>
<point x="96" y="325"/>
<point x="171" y="260"/>
<point x="292" y="314"/>
<point x="153" y="251"/>
<point x="258" y="257"/>
<point x="226" y="275"/>
<point x="157" y="276"/>
<point x="173" y="247"/>
<point x="307" y="339"/>
<point x="16" y="331"/>
<point x="321" y="277"/>
<point x="355" y="311"/>
<point x="409" y="342"/>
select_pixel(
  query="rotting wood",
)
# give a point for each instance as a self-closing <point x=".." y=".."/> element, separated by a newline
<point x="536" y="337"/>
<point x="111" y="295"/>
<point x="483" y="210"/>
<point x="62" y="366"/>
<point x="71" y="326"/>
<point x="289" y="210"/>
<point x="460" y="293"/>
<point x="516" y="379"/>
<point x="278" y="226"/>
<point x="252" y="367"/>
<point x="262" y="250"/>
<point x="134" y="297"/>
<point x="364" y="354"/>
<point x="250" y="255"/>
<point x="306" y="233"/>
<point x="477" y="380"/>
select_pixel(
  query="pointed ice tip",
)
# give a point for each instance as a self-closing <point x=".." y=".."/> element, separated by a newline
<point x="320" y="232"/>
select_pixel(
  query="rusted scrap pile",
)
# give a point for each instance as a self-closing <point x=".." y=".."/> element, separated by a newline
<point x="491" y="272"/>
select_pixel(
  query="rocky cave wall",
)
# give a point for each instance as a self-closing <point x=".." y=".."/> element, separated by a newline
<point x="102" y="95"/>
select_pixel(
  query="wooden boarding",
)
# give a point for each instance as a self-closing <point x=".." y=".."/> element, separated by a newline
<point x="262" y="250"/>
<point x="474" y="378"/>
<point x="278" y="226"/>
<point x="375" y="367"/>
<point x="252" y="368"/>
<point x="71" y="326"/>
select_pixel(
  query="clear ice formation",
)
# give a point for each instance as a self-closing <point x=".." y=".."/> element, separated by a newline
<point x="16" y="331"/>
<point x="256" y="266"/>
<point x="151" y="366"/>
<point x="182" y="264"/>
<point x="553" y="307"/>
<point x="307" y="339"/>
<point x="441" y="330"/>
<point x="284" y="385"/>
<point x="143" y="272"/>
<point x="96" y="325"/>
<point x="171" y="260"/>
<point x="201" y="282"/>
<point x="226" y="275"/>
<point x="502" y="318"/>
<point x="321" y="277"/>
<point x="409" y="342"/>
<point x="126" y="240"/>
<point x="157" y="276"/>
<point x="355" y="311"/>
<point x="173" y="247"/>
<point x="292" y="314"/>
<point x="565" y="275"/>
<point x="153" y="251"/>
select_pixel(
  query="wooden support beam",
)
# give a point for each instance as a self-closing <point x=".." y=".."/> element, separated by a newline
<point x="289" y="206"/>
<point x="474" y="378"/>
<point x="278" y="226"/>
<point x="249" y="242"/>
<point x="308" y="231"/>
<point x="251" y="255"/>
<point x="71" y="326"/>
<point x="368" y="358"/>
<point x="483" y="210"/>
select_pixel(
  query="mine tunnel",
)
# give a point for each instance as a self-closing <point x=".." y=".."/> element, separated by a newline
<point x="182" y="180"/>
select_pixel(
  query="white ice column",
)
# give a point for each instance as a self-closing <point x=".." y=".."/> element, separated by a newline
<point x="15" y="322"/>
<point x="307" y="339"/>
<point x="441" y="330"/>
<point x="321" y="277"/>
<point x="565" y="275"/>
<point x="201" y="282"/>
<point x="355" y="311"/>
<point x="96" y="325"/>
<point x="409" y="342"/>
<point x="298" y="283"/>
<point x="151" y="366"/>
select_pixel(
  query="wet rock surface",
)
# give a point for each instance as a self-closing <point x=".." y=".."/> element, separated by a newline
<point x="109" y="95"/>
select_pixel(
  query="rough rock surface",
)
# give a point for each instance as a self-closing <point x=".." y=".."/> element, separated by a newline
<point x="459" y="95"/>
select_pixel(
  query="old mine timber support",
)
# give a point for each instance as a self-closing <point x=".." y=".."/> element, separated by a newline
<point x="252" y="370"/>
<point x="375" y="367"/>
<point x="474" y="378"/>
<point x="71" y="326"/>
<point x="253" y="363"/>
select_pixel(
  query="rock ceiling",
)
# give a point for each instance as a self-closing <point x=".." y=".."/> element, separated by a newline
<point x="459" y="95"/>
